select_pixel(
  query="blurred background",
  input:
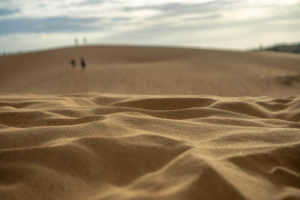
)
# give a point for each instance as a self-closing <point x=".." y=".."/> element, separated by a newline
<point x="225" y="24"/>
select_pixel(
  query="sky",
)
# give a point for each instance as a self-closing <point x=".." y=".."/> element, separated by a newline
<point x="224" y="24"/>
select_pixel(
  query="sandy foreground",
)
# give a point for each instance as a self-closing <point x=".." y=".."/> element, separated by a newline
<point x="149" y="123"/>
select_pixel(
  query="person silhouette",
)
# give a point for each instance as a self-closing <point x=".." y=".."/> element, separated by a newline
<point x="83" y="64"/>
<point x="73" y="63"/>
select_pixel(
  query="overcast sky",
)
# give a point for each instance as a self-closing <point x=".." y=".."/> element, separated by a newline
<point x="229" y="24"/>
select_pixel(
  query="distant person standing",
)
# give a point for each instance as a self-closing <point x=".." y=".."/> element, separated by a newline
<point x="83" y="64"/>
<point x="76" y="42"/>
<point x="85" y="41"/>
<point x="73" y="63"/>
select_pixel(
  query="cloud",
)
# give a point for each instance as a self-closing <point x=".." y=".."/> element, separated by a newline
<point x="154" y="22"/>
<point x="5" y="12"/>
<point x="90" y="2"/>
<point x="47" y="25"/>
<point x="181" y="8"/>
<point x="195" y="22"/>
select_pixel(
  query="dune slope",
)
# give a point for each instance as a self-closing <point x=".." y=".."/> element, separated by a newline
<point x="151" y="70"/>
<point x="102" y="146"/>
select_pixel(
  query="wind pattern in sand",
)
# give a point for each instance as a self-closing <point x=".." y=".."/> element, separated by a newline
<point x="96" y="146"/>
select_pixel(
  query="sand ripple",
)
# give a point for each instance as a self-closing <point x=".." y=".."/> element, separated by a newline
<point x="92" y="146"/>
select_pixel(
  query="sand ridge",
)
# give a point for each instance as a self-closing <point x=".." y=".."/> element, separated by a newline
<point x="108" y="146"/>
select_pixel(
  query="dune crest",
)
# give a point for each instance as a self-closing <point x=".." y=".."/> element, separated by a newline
<point x="107" y="146"/>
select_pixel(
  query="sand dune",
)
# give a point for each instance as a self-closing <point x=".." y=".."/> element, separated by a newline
<point x="131" y="131"/>
<point x="152" y="70"/>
